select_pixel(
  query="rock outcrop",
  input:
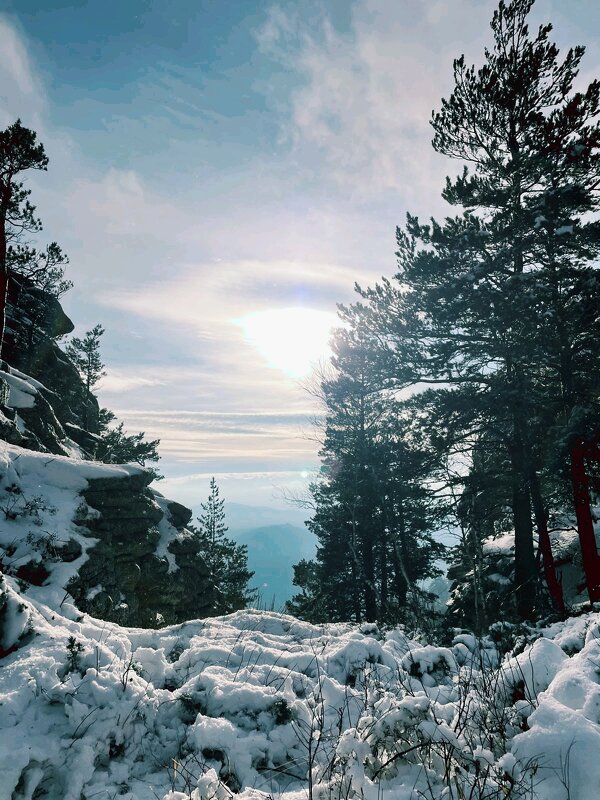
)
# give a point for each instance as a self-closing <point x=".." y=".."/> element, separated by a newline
<point x="145" y="568"/>
<point x="99" y="535"/>
<point x="63" y="406"/>
<point x="103" y="535"/>
<point x="28" y="408"/>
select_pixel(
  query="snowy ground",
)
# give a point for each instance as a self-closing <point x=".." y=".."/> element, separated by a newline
<point x="258" y="704"/>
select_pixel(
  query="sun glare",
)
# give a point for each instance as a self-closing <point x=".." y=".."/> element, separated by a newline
<point x="290" y="339"/>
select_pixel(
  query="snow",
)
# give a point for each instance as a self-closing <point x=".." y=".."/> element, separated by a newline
<point x="236" y="705"/>
<point x="502" y="545"/>
<point x="258" y="704"/>
<point x="39" y="499"/>
<point x="167" y="533"/>
<point x="564" y="730"/>
<point x="21" y="391"/>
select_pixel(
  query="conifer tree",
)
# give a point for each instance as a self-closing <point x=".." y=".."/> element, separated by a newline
<point x="85" y="355"/>
<point x="19" y="151"/>
<point x="227" y="562"/>
<point x="497" y="301"/>
<point x="42" y="270"/>
<point x="118" y="447"/>
<point x="373" y="513"/>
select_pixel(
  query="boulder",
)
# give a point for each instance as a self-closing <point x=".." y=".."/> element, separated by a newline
<point x="179" y="515"/>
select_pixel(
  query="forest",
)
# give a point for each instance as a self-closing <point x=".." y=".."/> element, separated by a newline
<point x="464" y="389"/>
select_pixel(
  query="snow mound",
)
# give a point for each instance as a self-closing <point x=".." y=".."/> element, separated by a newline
<point x="259" y="704"/>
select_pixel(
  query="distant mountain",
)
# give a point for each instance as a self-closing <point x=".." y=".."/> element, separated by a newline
<point x="243" y="517"/>
<point x="272" y="552"/>
<point x="276" y="539"/>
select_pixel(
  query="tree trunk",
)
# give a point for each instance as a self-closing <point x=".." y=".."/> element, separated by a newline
<point x="581" y="450"/>
<point x="3" y="302"/>
<point x="384" y="571"/>
<point x="473" y="539"/>
<point x="545" y="546"/>
<point x="400" y="581"/>
<point x="525" y="564"/>
<point x="356" y="568"/>
<point x="3" y="272"/>
<point x="369" y="571"/>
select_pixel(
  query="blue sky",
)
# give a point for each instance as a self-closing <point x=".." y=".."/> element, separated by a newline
<point x="220" y="169"/>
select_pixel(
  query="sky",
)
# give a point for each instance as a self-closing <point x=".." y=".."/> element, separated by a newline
<point x="221" y="174"/>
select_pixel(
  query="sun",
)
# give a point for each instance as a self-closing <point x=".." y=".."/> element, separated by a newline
<point x="293" y="340"/>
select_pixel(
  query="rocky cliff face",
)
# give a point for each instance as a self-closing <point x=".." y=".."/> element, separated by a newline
<point x="99" y="536"/>
<point x="96" y="533"/>
<point x="145" y="569"/>
<point x="51" y="416"/>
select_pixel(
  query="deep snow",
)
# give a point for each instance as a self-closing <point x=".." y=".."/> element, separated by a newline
<point x="257" y="698"/>
<point x="259" y="704"/>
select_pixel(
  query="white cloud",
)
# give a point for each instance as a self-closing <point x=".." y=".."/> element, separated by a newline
<point x="282" y="438"/>
<point x="180" y="246"/>
<point x="209" y="301"/>
<point x="219" y="293"/>
<point x="21" y="94"/>
<point x="367" y="93"/>
<point x="241" y="476"/>
<point x="118" y="381"/>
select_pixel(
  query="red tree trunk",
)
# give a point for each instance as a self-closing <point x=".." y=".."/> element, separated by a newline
<point x="5" y="200"/>
<point x="3" y="300"/>
<point x="580" y="451"/>
<point x="545" y="546"/>
<point x="554" y="586"/>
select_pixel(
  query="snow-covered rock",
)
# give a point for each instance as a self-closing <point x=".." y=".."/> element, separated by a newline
<point x="98" y="535"/>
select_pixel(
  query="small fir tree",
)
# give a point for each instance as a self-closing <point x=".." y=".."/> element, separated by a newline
<point x="227" y="562"/>
<point x="85" y="354"/>
<point x="118" y="447"/>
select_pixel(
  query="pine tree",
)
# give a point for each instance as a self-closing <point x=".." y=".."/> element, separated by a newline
<point x="85" y="355"/>
<point x="118" y="447"/>
<point x="498" y="300"/>
<point x="115" y="445"/>
<point x="37" y="275"/>
<point x="19" y="152"/>
<point x="44" y="268"/>
<point x="373" y="513"/>
<point x="227" y="562"/>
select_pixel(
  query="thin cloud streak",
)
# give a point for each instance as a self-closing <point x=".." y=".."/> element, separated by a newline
<point x="241" y="476"/>
<point x="271" y="416"/>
